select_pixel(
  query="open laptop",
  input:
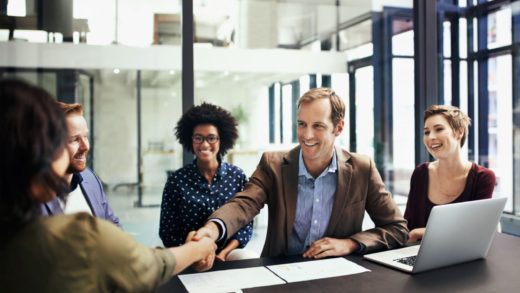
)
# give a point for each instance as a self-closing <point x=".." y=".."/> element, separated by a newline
<point x="455" y="233"/>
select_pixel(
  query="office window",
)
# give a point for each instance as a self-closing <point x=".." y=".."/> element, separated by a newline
<point x="403" y="123"/>
<point x="402" y="43"/>
<point x="355" y="36"/>
<point x="287" y="117"/>
<point x="277" y="112"/>
<point x="500" y="126"/>
<point x="463" y="38"/>
<point x="499" y="28"/>
<point x="365" y="110"/>
<point x="403" y="138"/>
<point x="339" y="83"/>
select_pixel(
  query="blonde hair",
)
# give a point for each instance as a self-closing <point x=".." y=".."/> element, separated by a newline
<point x="336" y="104"/>
<point x="70" y="108"/>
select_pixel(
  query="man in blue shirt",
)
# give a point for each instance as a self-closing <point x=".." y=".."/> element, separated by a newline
<point x="317" y="193"/>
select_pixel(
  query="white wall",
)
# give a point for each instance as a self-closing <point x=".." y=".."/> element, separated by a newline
<point x="115" y="134"/>
<point x="115" y="94"/>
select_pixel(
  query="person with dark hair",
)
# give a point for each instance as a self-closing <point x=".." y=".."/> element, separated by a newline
<point x="85" y="189"/>
<point x="194" y="191"/>
<point x="450" y="178"/>
<point x="317" y="193"/>
<point x="63" y="253"/>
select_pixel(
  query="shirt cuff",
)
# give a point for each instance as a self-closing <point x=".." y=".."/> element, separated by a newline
<point x="360" y="248"/>
<point x="221" y="228"/>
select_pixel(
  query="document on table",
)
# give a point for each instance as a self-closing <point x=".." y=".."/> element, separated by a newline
<point x="318" y="269"/>
<point x="229" y="280"/>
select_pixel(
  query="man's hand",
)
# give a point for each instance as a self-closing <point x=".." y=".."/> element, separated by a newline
<point x="416" y="235"/>
<point x="210" y="230"/>
<point x="331" y="247"/>
<point x="193" y="251"/>
<point x="205" y="248"/>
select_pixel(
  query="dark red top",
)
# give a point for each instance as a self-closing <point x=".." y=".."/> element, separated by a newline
<point x="479" y="185"/>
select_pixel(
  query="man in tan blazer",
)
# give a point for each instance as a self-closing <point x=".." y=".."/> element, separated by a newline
<point x="317" y="193"/>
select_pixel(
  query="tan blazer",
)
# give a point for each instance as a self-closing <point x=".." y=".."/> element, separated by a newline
<point x="360" y="188"/>
<point x="80" y="253"/>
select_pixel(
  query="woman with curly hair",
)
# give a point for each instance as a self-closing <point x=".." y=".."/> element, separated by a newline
<point x="194" y="191"/>
<point x="63" y="253"/>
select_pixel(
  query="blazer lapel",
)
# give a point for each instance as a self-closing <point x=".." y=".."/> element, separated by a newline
<point x="342" y="189"/>
<point x="290" y="190"/>
<point x="85" y="188"/>
<point x="53" y="207"/>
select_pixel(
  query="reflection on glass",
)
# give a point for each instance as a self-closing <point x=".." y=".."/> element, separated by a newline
<point x="339" y="83"/>
<point x="16" y="8"/>
<point x="447" y="38"/>
<point x="517" y="162"/>
<point x="464" y="99"/>
<point x="447" y="82"/>
<point x="223" y="23"/>
<point x="362" y="51"/>
<point x="403" y="124"/>
<point x="288" y="120"/>
<point x="499" y="28"/>
<point x="500" y="125"/>
<point x="463" y="38"/>
<point x="160" y="111"/>
<point x="277" y="124"/>
<point x="304" y="83"/>
<point x="402" y="43"/>
<point x="365" y="110"/>
<point x="355" y="36"/>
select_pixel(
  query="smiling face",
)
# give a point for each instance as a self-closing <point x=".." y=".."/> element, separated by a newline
<point x="206" y="152"/>
<point x="78" y="145"/>
<point x="440" y="139"/>
<point x="317" y="133"/>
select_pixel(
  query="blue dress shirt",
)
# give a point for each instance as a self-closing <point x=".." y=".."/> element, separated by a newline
<point x="188" y="201"/>
<point x="314" y="205"/>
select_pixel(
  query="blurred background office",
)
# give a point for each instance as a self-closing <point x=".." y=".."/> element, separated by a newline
<point x="129" y="65"/>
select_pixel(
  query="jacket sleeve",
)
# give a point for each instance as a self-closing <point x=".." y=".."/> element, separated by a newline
<point x="127" y="265"/>
<point x="245" y="205"/>
<point x="390" y="229"/>
<point x="245" y="233"/>
<point x="109" y="214"/>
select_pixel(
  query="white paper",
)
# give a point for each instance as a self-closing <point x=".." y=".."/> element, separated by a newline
<point x="229" y="280"/>
<point x="318" y="269"/>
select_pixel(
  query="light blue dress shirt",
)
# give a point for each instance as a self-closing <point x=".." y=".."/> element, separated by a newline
<point x="314" y="205"/>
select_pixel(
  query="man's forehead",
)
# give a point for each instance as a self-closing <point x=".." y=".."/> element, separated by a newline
<point x="314" y="113"/>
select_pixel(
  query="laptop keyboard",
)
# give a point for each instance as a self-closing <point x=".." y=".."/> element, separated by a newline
<point x="410" y="260"/>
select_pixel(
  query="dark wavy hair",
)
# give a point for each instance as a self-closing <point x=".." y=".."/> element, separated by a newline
<point x="32" y="135"/>
<point x="207" y="113"/>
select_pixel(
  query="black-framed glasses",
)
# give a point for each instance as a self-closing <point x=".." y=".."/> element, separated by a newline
<point x="211" y="139"/>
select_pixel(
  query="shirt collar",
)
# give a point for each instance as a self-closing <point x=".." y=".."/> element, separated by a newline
<point x="221" y="171"/>
<point x="76" y="180"/>
<point x="302" y="170"/>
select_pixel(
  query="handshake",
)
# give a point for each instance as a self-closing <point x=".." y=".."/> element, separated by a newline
<point x="205" y="247"/>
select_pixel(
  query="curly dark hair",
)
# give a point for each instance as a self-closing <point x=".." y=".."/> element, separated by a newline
<point x="33" y="134"/>
<point x="207" y="113"/>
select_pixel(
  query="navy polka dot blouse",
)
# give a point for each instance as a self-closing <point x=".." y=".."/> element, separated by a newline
<point x="188" y="201"/>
